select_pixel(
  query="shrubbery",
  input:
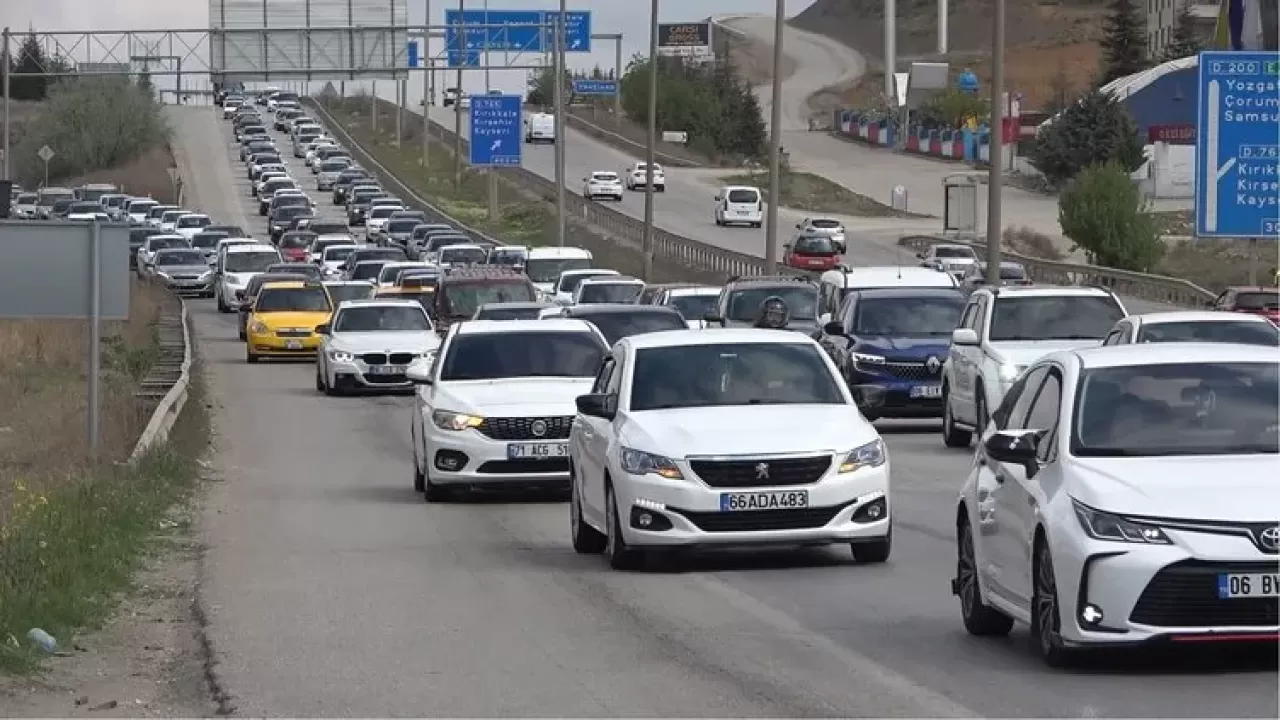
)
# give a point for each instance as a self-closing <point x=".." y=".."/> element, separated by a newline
<point x="91" y="123"/>
<point x="1103" y="212"/>
<point x="1093" y="131"/>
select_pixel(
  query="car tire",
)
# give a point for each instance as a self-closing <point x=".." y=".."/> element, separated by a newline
<point x="719" y="222"/>
<point x="586" y="539"/>
<point x="222" y="306"/>
<point x="419" y="477"/>
<point x="979" y="618"/>
<point x="952" y="436"/>
<point x="434" y="493"/>
<point x="755" y="224"/>
<point x="1046" y="615"/>
<point x="660" y="188"/>
<point x="874" y="552"/>
<point x="250" y="357"/>
<point x="321" y="385"/>
<point x="620" y="556"/>
<point x="980" y="414"/>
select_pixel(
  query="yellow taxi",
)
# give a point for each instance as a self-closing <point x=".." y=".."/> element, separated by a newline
<point x="282" y="322"/>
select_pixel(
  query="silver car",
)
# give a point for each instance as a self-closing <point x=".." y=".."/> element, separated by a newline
<point x="329" y="170"/>
<point x="185" y="271"/>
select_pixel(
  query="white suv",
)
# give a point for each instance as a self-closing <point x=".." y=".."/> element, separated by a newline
<point x="1002" y="331"/>
<point x="494" y="405"/>
<point x="737" y="437"/>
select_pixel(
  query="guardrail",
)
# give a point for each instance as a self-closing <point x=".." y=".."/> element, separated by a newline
<point x="1143" y="286"/>
<point x="169" y="379"/>
<point x="613" y="138"/>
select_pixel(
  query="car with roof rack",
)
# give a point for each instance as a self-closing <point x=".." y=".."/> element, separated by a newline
<point x="742" y="296"/>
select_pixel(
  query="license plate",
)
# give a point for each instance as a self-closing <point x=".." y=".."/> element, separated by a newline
<point x="387" y="369"/>
<point x="926" y="391"/>
<point x="537" y="451"/>
<point x="292" y="344"/>
<point x="1232" y="586"/>
<point x="778" y="500"/>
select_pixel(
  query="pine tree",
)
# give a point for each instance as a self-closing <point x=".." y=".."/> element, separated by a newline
<point x="1184" y="42"/>
<point x="1124" y="43"/>
<point x="1094" y="131"/>
<point x="31" y="59"/>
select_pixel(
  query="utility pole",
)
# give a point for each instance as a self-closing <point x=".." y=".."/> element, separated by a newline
<point x="463" y="56"/>
<point x="559" y="101"/>
<point x="8" y="72"/>
<point x="995" y="174"/>
<point x="890" y="49"/>
<point x="651" y="139"/>
<point x="617" y="78"/>
<point x="775" y="145"/>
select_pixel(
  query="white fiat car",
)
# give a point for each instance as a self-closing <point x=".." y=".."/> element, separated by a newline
<point x="369" y="344"/>
<point x="1122" y="495"/>
<point x="737" y="437"/>
<point x="495" y="403"/>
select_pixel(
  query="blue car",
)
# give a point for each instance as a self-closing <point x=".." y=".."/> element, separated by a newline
<point x="890" y="345"/>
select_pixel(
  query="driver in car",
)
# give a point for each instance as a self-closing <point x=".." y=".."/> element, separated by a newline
<point x="773" y="314"/>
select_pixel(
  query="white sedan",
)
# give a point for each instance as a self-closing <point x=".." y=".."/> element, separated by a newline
<point x="1194" y="326"/>
<point x="605" y="185"/>
<point x="664" y="459"/>
<point x="638" y="175"/>
<point x="1126" y="495"/>
<point x="370" y="344"/>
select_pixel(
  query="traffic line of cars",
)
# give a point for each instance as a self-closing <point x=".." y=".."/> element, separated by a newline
<point x="1120" y="490"/>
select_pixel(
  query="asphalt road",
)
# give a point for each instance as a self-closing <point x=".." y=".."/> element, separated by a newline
<point x="332" y="589"/>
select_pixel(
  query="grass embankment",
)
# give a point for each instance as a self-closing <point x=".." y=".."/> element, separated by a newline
<point x="637" y="135"/>
<point x="526" y="219"/>
<point x="814" y="193"/>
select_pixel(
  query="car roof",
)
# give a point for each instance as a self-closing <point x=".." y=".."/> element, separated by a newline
<point x="462" y="246"/>
<point x="616" y="308"/>
<point x="888" y="275"/>
<point x="383" y="301"/>
<point x="909" y="292"/>
<point x="719" y="336"/>
<point x="247" y="247"/>
<point x="515" y="305"/>
<point x="495" y="327"/>
<point x="1159" y="318"/>
<point x="548" y="253"/>
<point x="340" y="246"/>
<point x="1145" y="354"/>
<point x="730" y="188"/>
<point x="284" y="285"/>
<point x="679" y="290"/>
<point x="1048" y="291"/>
<point x="601" y="272"/>
<point x="167" y="236"/>
<point x="611" y="280"/>
<point x="366" y="283"/>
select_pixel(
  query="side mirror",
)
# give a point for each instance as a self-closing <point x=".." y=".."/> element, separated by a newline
<point x="834" y="329"/>
<point x="964" y="336"/>
<point x="868" y="398"/>
<point x="325" y="329"/>
<point x="842" y="248"/>
<point x="1016" y="447"/>
<point x="598" y="405"/>
<point x="419" y="371"/>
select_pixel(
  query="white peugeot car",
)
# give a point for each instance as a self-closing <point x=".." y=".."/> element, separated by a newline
<point x="602" y="185"/>
<point x="496" y="402"/>
<point x="740" y="437"/>
<point x="369" y="344"/>
<point x="1127" y="494"/>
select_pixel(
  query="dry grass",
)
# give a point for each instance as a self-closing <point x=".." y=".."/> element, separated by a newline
<point x="147" y="175"/>
<point x="752" y="60"/>
<point x="1025" y="241"/>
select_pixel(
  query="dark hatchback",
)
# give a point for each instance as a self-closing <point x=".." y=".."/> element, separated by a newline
<point x="895" y="340"/>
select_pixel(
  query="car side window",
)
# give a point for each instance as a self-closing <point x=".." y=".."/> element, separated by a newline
<point x="602" y="377"/>
<point x="1015" y="412"/>
<point x="614" y="384"/>
<point x="1044" y="413"/>
<point x="1223" y="300"/>
<point x="967" y="316"/>
<point x="849" y="312"/>
<point x="1113" y="337"/>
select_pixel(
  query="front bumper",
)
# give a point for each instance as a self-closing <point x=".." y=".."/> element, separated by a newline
<point x="483" y="461"/>
<point x="917" y="397"/>
<point x="190" y="287"/>
<point x="270" y="344"/>
<point x="1159" y="593"/>
<point x="358" y="373"/>
<point x="610" y="192"/>
<point x="690" y="514"/>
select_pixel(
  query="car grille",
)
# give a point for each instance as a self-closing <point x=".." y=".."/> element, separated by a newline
<point x="748" y="473"/>
<point x="758" y="520"/>
<point x="523" y="467"/>
<point x="293" y="333"/>
<point x="186" y="278"/>
<point x="521" y="428"/>
<point x="400" y="358"/>
<point x="1185" y="594"/>
<point x="906" y="370"/>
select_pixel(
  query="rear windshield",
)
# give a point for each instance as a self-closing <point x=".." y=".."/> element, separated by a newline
<point x="1260" y="300"/>
<point x="352" y="291"/>
<point x="292" y="300"/>
<point x="570" y="283"/>
<point x="368" y="270"/>
<point x="333" y="165"/>
<point x="610" y="292"/>
<point x="382" y="254"/>
<point x="207" y="240"/>
<point x="617" y="325"/>
<point x="1244" y="333"/>
<point x="517" y="312"/>
<point x="194" y="222"/>
<point x="801" y="300"/>
<point x="743" y="196"/>
<point x="815" y="245"/>
<point x="462" y="299"/>
<point x="161" y="243"/>
<point x="337" y="254"/>
<point x="946" y="252"/>
<point x="694" y="307"/>
<point x="296" y="241"/>
<point x="402" y="226"/>
<point x="824" y="224"/>
<point x="460" y="256"/>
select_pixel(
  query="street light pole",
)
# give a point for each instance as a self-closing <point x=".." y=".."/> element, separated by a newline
<point x="890" y="49"/>
<point x="559" y="120"/>
<point x="995" y="174"/>
<point x="775" y="145"/>
<point x="464" y="54"/>
<point x="651" y="139"/>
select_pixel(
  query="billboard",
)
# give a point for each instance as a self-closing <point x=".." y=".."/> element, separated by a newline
<point x="280" y="40"/>
<point x="1245" y="25"/>
<point x="692" y="40"/>
<point x="104" y="68"/>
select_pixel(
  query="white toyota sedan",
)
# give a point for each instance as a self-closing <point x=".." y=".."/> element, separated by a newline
<point x="1123" y="495"/>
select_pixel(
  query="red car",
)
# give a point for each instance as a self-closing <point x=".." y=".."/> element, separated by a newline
<point x="813" y="252"/>
<point x="295" y="244"/>
<point x="1264" y="301"/>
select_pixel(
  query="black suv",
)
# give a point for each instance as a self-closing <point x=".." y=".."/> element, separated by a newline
<point x="740" y="300"/>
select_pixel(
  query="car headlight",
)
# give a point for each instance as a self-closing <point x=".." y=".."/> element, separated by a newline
<point x="448" y="420"/>
<point x="206" y="276"/>
<point x="864" y="456"/>
<point x="1105" y="526"/>
<point x="341" y="356"/>
<point x="1009" y="372"/>
<point x="866" y="359"/>
<point x="638" y="462"/>
<point x="259" y="328"/>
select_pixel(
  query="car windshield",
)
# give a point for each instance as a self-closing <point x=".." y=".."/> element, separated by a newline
<point x="903" y="317"/>
<point x="610" y="292"/>
<point x="462" y="256"/>
<point x="491" y="356"/>
<point x="1261" y="300"/>
<point x="814" y="245"/>
<point x="506" y="257"/>
<point x="743" y="196"/>
<point x="296" y="240"/>
<point x="518" y="312"/>
<point x="159" y="243"/>
<point x="801" y="300"/>
<point x="141" y="208"/>
<point x="298" y="268"/>
<point x="954" y="252"/>
<point x="1053" y="317"/>
<point x="617" y="325"/>
<point x="1244" y="333"/>
<point x="332" y="165"/>
<point x="180" y="257"/>
<point x="250" y="262"/>
<point x="545" y="270"/>
<point x="1177" y="409"/>
<point x="732" y="374"/>
<point x="289" y="212"/>
<point x="26" y="199"/>
<point x="337" y="254"/>
<point x="463" y="298"/>
<point x="569" y="283"/>
<point x="401" y="226"/>
<point x="207" y="239"/>
<point x="171" y="216"/>
<point x="349" y="291"/>
<point x="824" y="224"/>
<point x="194" y="221"/>
<point x="389" y="274"/>
<point x="382" y="318"/>
<point x="292" y="300"/>
<point x="368" y="269"/>
<point x="382" y="211"/>
<point x="694" y="307"/>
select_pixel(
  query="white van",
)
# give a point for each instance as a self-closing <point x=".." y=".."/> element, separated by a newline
<point x="739" y="204"/>
<point x="834" y="285"/>
<point x="540" y="127"/>
<point x="544" y="265"/>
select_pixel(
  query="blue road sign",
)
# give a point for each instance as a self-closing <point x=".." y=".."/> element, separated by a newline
<point x="577" y="30"/>
<point x="1237" y="145"/>
<point x="595" y="87"/>
<point x="413" y="53"/>
<point x="496" y="130"/>
<point x="524" y="34"/>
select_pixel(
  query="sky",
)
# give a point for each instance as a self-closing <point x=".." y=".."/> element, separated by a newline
<point x="630" y="17"/>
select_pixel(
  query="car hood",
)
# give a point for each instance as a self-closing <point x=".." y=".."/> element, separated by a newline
<point x="1204" y="487"/>
<point x="184" y="269"/>
<point x="747" y="430"/>
<point x="903" y="348"/>
<point x="285" y="319"/>
<point x="387" y="341"/>
<point x="1025" y="352"/>
<point x="513" y="397"/>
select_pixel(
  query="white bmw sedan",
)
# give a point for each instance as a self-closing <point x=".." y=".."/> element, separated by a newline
<point x="370" y="344"/>
<point x="1125" y="495"/>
